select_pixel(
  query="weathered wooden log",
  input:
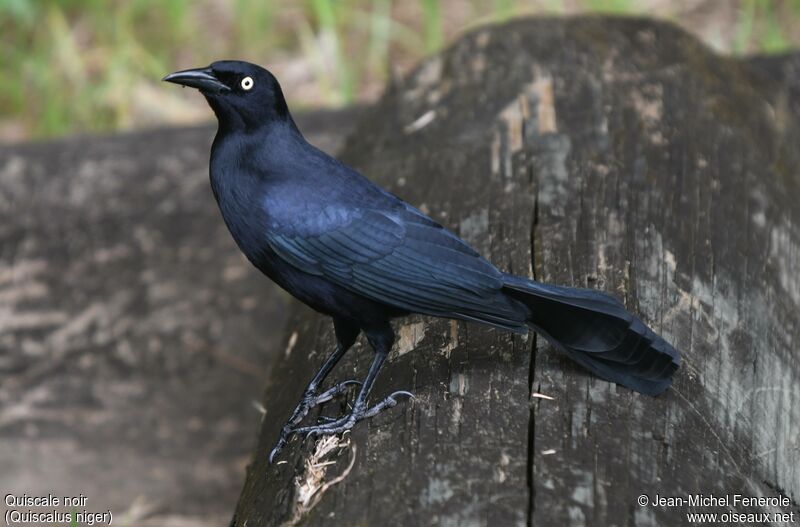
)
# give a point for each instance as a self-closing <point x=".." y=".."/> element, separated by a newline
<point x="617" y="154"/>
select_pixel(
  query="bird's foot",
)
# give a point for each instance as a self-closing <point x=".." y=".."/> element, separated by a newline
<point x="347" y="422"/>
<point x="309" y="400"/>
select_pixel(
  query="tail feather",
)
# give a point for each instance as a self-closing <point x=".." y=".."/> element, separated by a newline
<point x="596" y="331"/>
<point x="634" y="347"/>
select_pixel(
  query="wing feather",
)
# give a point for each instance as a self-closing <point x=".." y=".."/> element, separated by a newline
<point x="403" y="259"/>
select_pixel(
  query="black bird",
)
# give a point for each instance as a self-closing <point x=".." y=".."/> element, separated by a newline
<point x="355" y="252"/>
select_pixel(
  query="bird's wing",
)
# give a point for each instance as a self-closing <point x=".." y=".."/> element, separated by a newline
<point x="398" y="257"/>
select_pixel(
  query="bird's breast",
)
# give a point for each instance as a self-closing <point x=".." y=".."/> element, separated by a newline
<point x="240" y="205"/>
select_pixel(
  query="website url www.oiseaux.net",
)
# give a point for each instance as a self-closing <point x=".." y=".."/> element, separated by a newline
<point x="749" y="518"/>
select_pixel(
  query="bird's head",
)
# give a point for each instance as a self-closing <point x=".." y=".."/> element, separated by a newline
<point x="243" y="96"/>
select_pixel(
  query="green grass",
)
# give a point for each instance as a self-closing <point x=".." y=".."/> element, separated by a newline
<point x="93" y="65"/>
<point x="618" y="7"/>
<point x="762" y="15"/>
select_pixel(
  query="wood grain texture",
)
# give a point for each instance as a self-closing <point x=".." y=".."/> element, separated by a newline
<point x="617" y="154"/>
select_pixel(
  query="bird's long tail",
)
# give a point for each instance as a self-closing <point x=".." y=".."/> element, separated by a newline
<point x="596" y="331"/>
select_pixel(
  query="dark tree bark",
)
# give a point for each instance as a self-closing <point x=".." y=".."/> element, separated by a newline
<point x="616" y="154"/>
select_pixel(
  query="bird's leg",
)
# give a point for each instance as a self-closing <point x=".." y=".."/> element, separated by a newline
<point x="346" y="334"/>
<point x="382" y="342"/>
<point x="311" y="398"/>
<point x="359" y="407"/>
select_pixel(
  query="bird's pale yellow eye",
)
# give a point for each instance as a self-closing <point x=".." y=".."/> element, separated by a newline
<point x="247" y="83"/>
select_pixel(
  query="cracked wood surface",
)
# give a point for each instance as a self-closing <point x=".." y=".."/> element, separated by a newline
<point x="618" y="154"/>
<point x="134" y="337"/>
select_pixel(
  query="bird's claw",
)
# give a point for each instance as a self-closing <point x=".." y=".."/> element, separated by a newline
<point x="276" y="449"/>
<point x="309" y="400"/>
<point x="389" y="402"/>
<point x="334" y="427"/>
<point x="347" y="422"/>
<point x="335" y="390"/>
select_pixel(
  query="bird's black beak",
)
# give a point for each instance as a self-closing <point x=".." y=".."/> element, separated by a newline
<point x="202" y="78"/>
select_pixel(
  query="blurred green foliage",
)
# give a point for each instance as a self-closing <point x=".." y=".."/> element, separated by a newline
<point x="91" y="65"/>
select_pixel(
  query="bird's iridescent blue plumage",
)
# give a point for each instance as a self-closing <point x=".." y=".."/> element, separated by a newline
<point x="351" y="250"/>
